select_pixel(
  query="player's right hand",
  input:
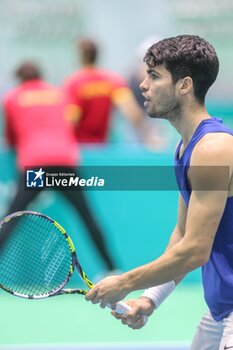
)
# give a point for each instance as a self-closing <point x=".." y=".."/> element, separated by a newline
<point x="135" y="318"/>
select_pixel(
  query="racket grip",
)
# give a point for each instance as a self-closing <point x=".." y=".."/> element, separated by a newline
<point x="123" y="308"/>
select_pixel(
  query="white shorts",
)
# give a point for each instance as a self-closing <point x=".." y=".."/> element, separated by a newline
<point x="212" y="335"/>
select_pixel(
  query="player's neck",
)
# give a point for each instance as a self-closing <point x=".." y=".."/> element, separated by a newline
<point x="189" y="120"/>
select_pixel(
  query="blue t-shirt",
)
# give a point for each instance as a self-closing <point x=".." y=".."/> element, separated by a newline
<point x="217" y="273"/>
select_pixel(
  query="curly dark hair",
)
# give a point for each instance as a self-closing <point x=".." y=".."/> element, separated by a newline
<point x="186" y="55"/>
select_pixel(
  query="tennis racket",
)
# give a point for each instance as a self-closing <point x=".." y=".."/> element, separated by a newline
<point x="38" y="258"/>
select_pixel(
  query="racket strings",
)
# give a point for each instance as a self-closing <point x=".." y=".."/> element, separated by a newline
<point x="18" y="251"/>
<point x="35" y="258"/>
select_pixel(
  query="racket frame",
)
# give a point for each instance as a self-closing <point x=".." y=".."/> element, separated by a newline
<point x="74" y="262"/>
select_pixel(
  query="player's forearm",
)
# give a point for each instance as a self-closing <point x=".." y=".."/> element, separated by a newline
<point x="175" y="262"/>
<point x="175" y="238"/>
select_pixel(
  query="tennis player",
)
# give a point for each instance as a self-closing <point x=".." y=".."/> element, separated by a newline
<point x="180" y="70"/>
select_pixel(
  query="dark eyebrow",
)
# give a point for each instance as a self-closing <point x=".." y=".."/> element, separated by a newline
<point x="150" y="70"/>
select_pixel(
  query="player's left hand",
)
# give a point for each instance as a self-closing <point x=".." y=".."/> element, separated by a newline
<point x="108" y="291"/>
<point x="135" y="318"/>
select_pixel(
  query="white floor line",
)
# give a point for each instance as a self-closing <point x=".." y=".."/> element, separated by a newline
<point x="99" y="346"/>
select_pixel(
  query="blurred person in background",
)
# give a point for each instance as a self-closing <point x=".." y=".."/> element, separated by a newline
<point x="92" y="94"/>
<point x="156" y="138"/>
<point x="180" y="71"/>
<point x="35" y="126"/>
<point x="138" y="72"/>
